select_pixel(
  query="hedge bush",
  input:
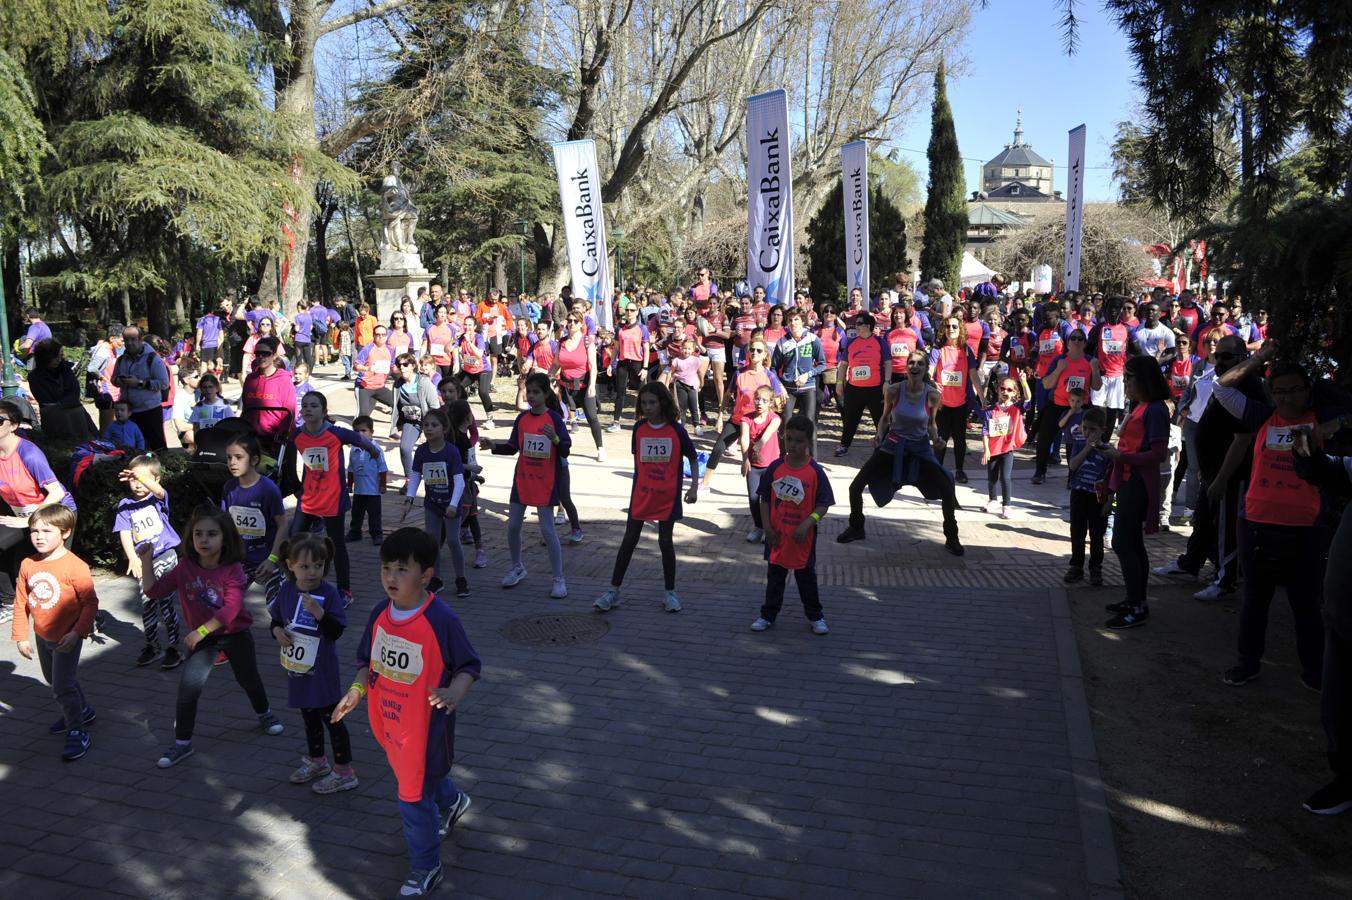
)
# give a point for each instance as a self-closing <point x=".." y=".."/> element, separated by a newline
<point x="100" y="490"/>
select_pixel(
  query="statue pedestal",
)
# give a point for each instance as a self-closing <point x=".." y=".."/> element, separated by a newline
<point x="399" y="275"/>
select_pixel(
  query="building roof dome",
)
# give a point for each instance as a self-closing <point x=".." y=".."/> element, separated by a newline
<point x="1018" y="153"/>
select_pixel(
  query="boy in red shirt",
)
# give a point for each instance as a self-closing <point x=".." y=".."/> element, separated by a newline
<point x="54" y="587"/>
<point x="794" y="495"/>
<point x="417" y="664"/>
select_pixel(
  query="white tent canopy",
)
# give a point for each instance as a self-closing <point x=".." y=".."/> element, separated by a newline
<point x="974" y="271"/>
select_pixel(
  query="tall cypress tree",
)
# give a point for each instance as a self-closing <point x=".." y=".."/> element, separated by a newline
<point x="945" y="204"/>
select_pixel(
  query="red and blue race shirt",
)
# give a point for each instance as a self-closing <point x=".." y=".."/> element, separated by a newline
<point x="407" y="660"/>
<point x="323" y="479"/>
<point x="656" y="493"/>
<point x="537" y="468"/>
<point x="793" y="492"/>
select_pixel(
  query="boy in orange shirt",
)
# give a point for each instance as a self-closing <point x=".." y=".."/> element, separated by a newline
<point x="56" y="589"/>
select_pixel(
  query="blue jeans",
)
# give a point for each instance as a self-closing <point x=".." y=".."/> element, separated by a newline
<point x="423" y="819"/>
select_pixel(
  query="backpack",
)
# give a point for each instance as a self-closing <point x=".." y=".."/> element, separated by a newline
<point x="319" y="328"/>
<point x="88" y="453"/>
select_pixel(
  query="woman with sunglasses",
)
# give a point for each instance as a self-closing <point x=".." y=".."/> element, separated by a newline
<point x="865" y="366"/>
<point x="268" y="403"/>
<point x="1142" y="444"/>
<point x="474" y="362"/>
<point x="373" y="366"/>
<point x="414" y="395"/>
<point x="412" y="323"/>
<point x="1073" y="370"/>
<point x="266" y="329"/>
<point x="756" y="374"/>
<point x="904" y="454"/>
<point x="399" y="338"/>
<point x="831" y="334"/>
<point x="953" y="367"/>
<point x="574" y="371"/>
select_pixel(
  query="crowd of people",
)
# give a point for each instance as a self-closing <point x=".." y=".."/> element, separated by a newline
<point x="1146" y="398"/>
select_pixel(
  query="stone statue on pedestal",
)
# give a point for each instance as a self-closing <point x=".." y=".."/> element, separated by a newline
<point x="401" y="220"/>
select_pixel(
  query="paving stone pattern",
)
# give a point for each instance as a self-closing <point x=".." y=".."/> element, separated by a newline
<point x="935" y="744"/>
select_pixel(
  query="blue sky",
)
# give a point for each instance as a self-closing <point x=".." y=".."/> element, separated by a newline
<point x="1016" y="60"/>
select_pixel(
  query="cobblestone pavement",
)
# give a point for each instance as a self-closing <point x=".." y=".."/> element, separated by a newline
<point x="936" y="744"/>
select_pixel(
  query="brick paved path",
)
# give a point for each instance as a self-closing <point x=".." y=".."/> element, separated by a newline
<point x="935" y="744"/>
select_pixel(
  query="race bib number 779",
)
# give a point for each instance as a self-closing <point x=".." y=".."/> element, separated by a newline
<point x="789" y="489"/>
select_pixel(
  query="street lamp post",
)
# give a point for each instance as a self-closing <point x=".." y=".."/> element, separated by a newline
<point x="524" y="226"/>
<point x="9" y="385"/>
<point x="618" y="235"/>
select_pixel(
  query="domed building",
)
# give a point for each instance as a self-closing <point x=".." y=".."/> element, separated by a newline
<point x="1018" y="174"/>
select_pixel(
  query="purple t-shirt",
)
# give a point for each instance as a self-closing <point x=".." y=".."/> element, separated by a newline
<point x="37" y="331"/>
<point x="437" y="469"/>
<point x="254" y="316"/>
<point x="26" y="477"/>
<point x="313" y="677"/>
<point x="148" y="520"/>
<point x="302" y="328"/>
<point x="254" y="511"/>
<point x="210" y="326"/>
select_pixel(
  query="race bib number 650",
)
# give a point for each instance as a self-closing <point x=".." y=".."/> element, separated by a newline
<point x="396" y="658"/>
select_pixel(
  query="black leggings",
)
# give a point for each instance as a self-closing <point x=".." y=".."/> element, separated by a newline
<point x="578" y="398"/>
<point x="239" y="648"/>
<point x="626" y="370"/>
<point x="806" y="403"/>
<point x="1048" y="426"/>
<point x="952" y="423"/>
<point x="333" y="527"/>
<point x="856" y="400"/>
<point x="316" y="720"/>
<point x="930" y="478"/>
<point x="726" y="438"/>
<point x="565" y="486"/>
<point x="484" y="380"/>
<point x="632" y="531"/>
<point x="367" y="398"/>
<point x="687" y="399"/>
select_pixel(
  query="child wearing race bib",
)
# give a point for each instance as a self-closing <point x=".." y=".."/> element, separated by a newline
<point x="1002" y="432"/>
<point x="366" y="479"/>
<point x="542" y="440"/>
<point x="1069" y="423"/>
<point x="300" y="379"/>
<point x="209" y="579"/>
<point x="417" y="663"/>
<point x="319" y="450"/>
<point x="1089" y="500"/>
<point x="308" y="618"/>
<point x="462" y="436"/>
<point x="143" y="521"/>
<point x="760" y="447"/>
<point x="255" y="505"/>
<point x="210" y="409"/>
<point x="55" y="587"/>
<point x="659" y="443"/>
<point x="794" y="495"/>
<point x="438" y="467"/>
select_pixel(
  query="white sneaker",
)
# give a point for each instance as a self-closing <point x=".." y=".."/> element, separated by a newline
<point x="607" y="601"/>
<point x="755" y="536"/>
<point x="699" y="431"/>
<point x="600" y="454"/>
<point x="514" y="576"/>
<point x="487" y="423"/>
<point x="992" y="506"/>
<point x="481" y="559"/>
<point x="1212" y="592"/>
<point x="560" y="517"/>
<point x="670" y="602"/>
<point x="1004" y="511"/>
<point x="819" y="627"/>
<point x="560" y="589"/>
<point x="1172" y="568"/>
<point x="614" y="428"/>
<point x="761" y="624"/>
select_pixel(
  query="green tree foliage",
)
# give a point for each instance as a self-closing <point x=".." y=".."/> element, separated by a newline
<point x="945" y="201"/>
<point x="1267" y="79"/>
<point x="826" y="244"/>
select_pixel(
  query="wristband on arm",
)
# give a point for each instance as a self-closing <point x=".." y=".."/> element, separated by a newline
<point x="203" y="631"/>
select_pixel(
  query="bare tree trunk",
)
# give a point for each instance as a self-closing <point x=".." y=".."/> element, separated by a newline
<point x="356" y="260"/>
<point x="126" y="307"/>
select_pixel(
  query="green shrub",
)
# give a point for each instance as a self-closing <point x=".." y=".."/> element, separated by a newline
<point x="100" y="490"/>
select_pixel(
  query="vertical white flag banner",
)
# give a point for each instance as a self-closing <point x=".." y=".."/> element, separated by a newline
<point x="1074" y="210"/>
<point x="854" y="182"/>
<point x="769" y="252"/>
<point x="584" y="225"/>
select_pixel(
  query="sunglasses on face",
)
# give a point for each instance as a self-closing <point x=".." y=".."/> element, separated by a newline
<point x="757" y="350"/>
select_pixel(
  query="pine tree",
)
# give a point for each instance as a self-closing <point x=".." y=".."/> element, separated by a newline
<point x="826" y="244"/>
<point x="945" y="203"/>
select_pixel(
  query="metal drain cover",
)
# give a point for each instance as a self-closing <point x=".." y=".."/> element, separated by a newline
<point x="555" y="631"/>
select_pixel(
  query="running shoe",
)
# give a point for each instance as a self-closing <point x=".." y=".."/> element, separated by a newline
<point x="514" y="576"/>
<point x="819" y="627"/>
<point x="1129" y="619"/>
<point x="1240" y="675"/>
<point x="755" y="536"/>
<point x="613" y="428"/>
<point x="481" y="559"/>
<point x="841" y="451"/>
<point x="174" y="755"/>
<point x="221" y="658"/>
<point x="353" y="538"/>
<point x="173" y="659"/>
<point x="1004" y="511"/>
<point x="1172" y="569"/>
<point x="347" y="598"/>
<point x="309" y="770"/>
<point x="607" y="601"/>
<point x="560" y="517"/>
<point x="77" y="745"/>
<point x="576" y="536"/>
<point x="850" y="534"/>
<point x="458" y="809"/>
<point x="560" y="589"/>
<point x="761" y="624"/>
<point x="1096" y="577"/>
<point x="1213" y="592"/>
<point x="87" y="719"/>
<point x="466" y="536"/>
<point x="270" y="723"/>
<point x="960" y="477"/>
<point x="332" y="783"/>
<point x="699" y="431"/>
<point x="1330" y="800"/>
<point x="954" y="546"/>
<point x="487" y="423"/>
<point x="1073" y="576"/>
<point x="421" y="882"/>
<point x="670" y="602"/>
<point x="6" y="612"/>
<point x="462" y="587"/>
<point x="1039" y="479"/>
<point x="600" y="454"/>
<point x="148" y="655"/>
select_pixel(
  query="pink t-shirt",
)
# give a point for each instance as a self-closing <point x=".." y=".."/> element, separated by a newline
<point x="687" y="370"/>
<point x="205" y="594"/>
